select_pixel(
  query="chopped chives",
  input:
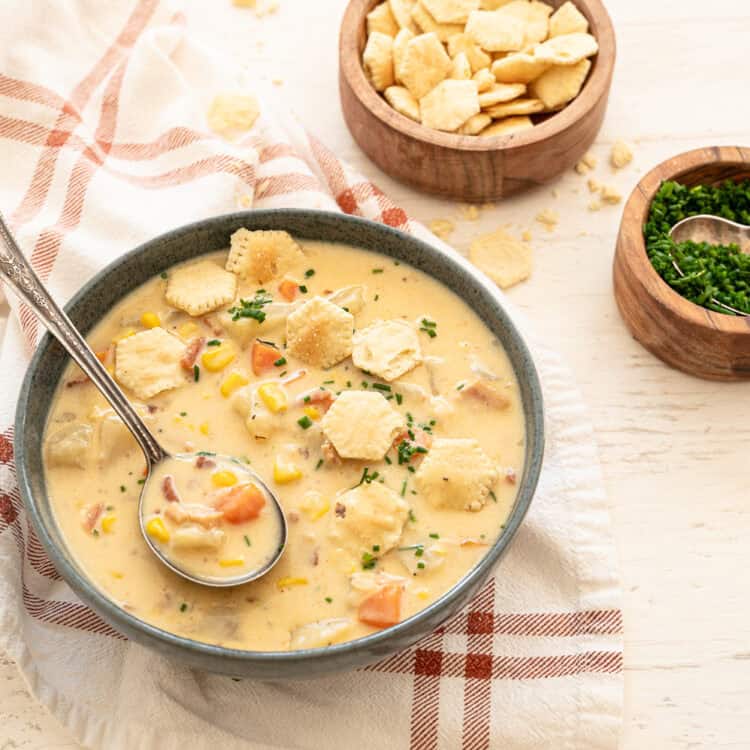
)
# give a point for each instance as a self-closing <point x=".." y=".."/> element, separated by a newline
<point x="399" y="399"/>
<point x="382" y="387"/>
<point x="247" y="540"/>
<point x="303" y="288"/>
<point x="377" y="270"/>
<point x="310" y="272"/>
<point x="319" y="464"/>
<point x="183" y="607"/>
<point x="304" y="422"/>
<point x="214" y="342"/>
<point x="434" y="536"/>
<point x="196" y="373"/>
<point x="279" y="362"/>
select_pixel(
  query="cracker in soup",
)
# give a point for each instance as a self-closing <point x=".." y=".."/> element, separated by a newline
<point x="200" y="288"/>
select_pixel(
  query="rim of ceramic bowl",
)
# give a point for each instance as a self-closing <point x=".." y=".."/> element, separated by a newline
<point x="521" y="361"/>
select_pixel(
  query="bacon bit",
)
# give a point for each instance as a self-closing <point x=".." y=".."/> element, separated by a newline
<point x="487" y="393"/>
<point x="322" y="399"/>
<point x="328" y="291"/>
<point x="206" y="517"/>
<point x="152" y="408"/>
<point x="510" y="476"/>
<point x="192" y="352"/>
<point x="169" y="489"/>
<point x="204" y="463"/>
<point x="330" y="454"/>
<point x="91" y="514"/>
<point x="315" y="559"/>
<point x="340" y="510"/>
<point x="293" y="516"/>
<point x="82" y="380"/>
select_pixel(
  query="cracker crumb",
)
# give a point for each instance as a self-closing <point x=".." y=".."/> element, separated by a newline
<point x="595" y="204"/>
<point x="442" y="228"/>
<point x="506" y="260"/>
<point x="244" y="3"/>
<point x="611" y="194"/>
<point x="266" y="8"/>
<point x="586" y="164"/>
<point x="469" y="212"/>
<point x="621" y="155"/>
<point x="548" y="219"/>
<point x="594" y="185"/>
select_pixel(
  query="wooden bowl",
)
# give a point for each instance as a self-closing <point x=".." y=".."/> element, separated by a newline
<point x="695" y="340"/>
<point x="471" y="168"/>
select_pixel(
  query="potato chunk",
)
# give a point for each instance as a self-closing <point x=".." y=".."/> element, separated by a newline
<point x="388" y="349"/>
<point x="373" y="516"/>
<point x="69" y="446"/>
<point x="456" y="474"/>
<point x="320" y="333"/>
<point x="361" y="425"/>
<point x="320" y="633"/>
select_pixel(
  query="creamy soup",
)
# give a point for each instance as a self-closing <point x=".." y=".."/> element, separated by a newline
<point x="375" y="404"/>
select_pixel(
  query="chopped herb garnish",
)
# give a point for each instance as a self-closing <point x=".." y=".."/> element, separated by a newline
<point x="303" y="288"/>
<point x="420" y="565"/>
<point x="328" y="599"/>
<point x="419" y="551"/>
<point x="304" y="422"/>
<point x="382" y="387"/>
<point x="377" y="270"/>
<point x="429" y="327"/>
<point x="213" y="342"/>
<point x="460" y="386"/>
<point x="410" y="547"/>
<point x="368" y="561"/>
<point x="141" y="481"/>
<point x="434" y="536"/>
<point x="279" y="362"/>
<point x="328" y="382"/>
<point x="411" y="469"/>
<point x="387" y="460"/>
<point x="281" y="374"/>
<point x="367" y="476"/>
<point x="377" y="297"/>
<point x="252" y="308"/>
<point x="493" y="496"/>
<point x="409" y="417"/>
<point x="306" y="399"/>
<point x="110" y="508"/>
<point x="247" y="540"/>
<point x="123" y="488"/>
<point x="95" y="532"/>
<point x="376" y="548"/>
<point x="183" y="413"/>
<point x="205" y="453"/>
<point x="310" y="272"/>
<point x="319" y="464"/>
<point x="348" y="383"/>
<point x="196" y="373"/>
<point x="412" y="517"/>
<point x="365" y="384"/>
<point x="399" y="399"/>
<point x="403" y="492"/>
<point x="183" y="607"/>
<point x="164" y="275"/>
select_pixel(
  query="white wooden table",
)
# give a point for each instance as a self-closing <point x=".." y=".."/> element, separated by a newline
<point x="674" y="449"/>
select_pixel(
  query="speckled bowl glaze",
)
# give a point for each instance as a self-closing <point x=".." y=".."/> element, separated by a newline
<point x="126" y="274"/>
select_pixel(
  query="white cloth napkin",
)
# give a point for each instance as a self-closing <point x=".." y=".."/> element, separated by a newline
<point x="104" y="143"/>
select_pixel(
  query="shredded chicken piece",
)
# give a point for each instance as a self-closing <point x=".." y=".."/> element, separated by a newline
<point x="200" y="514"/>
<point x="330" y="454"/>
<point x="91" y="514"/>
<point x="488" y="393"/>
<point x="204" y="463"/>
<point x="169" y="489"/>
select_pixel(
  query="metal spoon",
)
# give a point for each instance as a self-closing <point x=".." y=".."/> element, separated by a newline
<point x="715" y="231"/>
<point x="19" y="274"/>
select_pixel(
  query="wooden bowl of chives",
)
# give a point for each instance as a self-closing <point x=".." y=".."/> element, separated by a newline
<point x="468" y="168"/>
<point x="686" y="336"/>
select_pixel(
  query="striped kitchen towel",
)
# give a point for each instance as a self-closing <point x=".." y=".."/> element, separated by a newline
<point x="104" y="143"/>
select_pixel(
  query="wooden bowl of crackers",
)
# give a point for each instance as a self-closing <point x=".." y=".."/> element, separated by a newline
<point x="686" y="335"/>
<point x="475" y="100"/>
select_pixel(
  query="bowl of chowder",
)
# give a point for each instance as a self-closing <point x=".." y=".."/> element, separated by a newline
<point x="375" y="383"/>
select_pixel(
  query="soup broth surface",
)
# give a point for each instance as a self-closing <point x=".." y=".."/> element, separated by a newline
<point x="395" y="476"/>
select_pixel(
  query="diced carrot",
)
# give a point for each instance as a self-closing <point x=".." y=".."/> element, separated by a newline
<point x="288" y="290"/>
<point x="241" y="503"/>
<point x="263" y="356"/>
<point x="383" y="608"/>
<point x="103" y="356"/>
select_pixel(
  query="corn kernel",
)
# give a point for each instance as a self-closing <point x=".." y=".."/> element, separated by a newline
<point x="203" y="427"/>
<point x="127" y="333"/>
<point x="188" y="330"/>
<point x="283" y="583"/>
<point x="231" y="562"/>
<point x="274" y="397"/>
<point x="223" y="478"/>
<point x="423" y="594"/>
<point x="116" y="574"/>
<point x="285" y="472"/>
<point x="107" y="523"/>
<point x="218" y="357"/>
<point x="155" y="528"/>
<point x="244" y="3"/>
<point x="312" y="412"/>
<point x="315" y="506"/>
<point x="150" y="320"/>
<point x="232" y="382"/>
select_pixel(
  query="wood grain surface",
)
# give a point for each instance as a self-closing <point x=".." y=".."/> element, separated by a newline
<point x="698" y="341"/>
<point x="471" y="168"/>
<point x="673" y="447"/>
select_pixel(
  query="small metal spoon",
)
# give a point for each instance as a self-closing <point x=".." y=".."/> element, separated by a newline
<point x="715" y="231"/>
<point x="19" y="274"/>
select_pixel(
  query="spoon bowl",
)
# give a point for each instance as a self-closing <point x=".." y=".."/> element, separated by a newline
<point x="18" y="273"/>
<point x="714" y="230"/>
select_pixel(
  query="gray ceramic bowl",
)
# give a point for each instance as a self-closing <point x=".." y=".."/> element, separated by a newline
<point x="127" y="273"/>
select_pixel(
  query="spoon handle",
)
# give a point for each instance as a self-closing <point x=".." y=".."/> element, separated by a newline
<point x="19" y="274"/>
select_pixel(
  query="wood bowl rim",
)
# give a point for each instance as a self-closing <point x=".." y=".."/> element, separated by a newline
<point x="596" y="86"/>
<point x="639" y="265"/>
